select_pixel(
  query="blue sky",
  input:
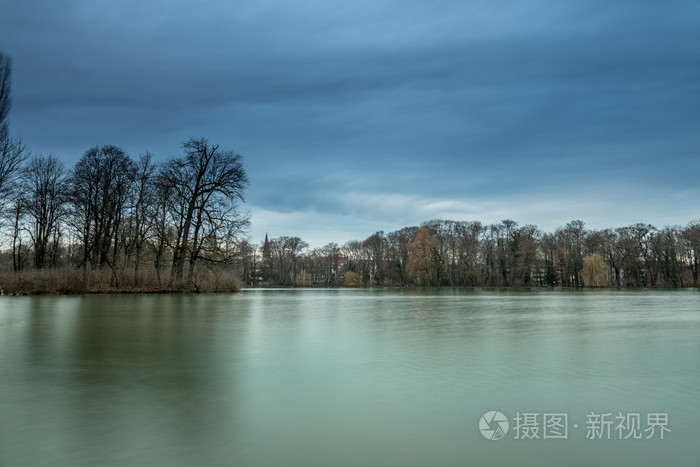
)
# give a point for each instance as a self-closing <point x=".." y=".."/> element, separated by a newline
<point x="354" y="117"/>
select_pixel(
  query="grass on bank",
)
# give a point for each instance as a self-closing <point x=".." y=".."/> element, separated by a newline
<point x="69" y="281"/>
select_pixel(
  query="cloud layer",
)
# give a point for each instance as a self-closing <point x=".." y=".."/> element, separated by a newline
<point x="355" y="117"/>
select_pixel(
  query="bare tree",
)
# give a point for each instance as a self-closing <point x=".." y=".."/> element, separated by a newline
<point x="12" y="150"/>
<point x="162" y="230"/>
<point x="690" y="237"/>
<point x="141" y="218"/>
<point x="12" y="154"/>
<point x="374" y="250"/>
<point x="19" y="250"/>
<point x="5" y="96"/>
<point x="286" y="254"/>
<point x="357" y="262"/>
<point x="325" y="266"/>
<point x="207" y="185"/>
<point x="571" y="238"/>
<point x="100" y="184"/>
<point x="45" y="185"/>
<point x="398" y="254"/>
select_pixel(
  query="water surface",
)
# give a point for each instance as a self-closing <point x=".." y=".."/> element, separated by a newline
<point x="344" y="377"/>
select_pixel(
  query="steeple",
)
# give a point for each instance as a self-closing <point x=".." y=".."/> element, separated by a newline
<point x="266" y="260"/>
<point x="266" y="248"/>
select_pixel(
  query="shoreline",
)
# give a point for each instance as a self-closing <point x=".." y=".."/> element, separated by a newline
<point x="243" y="289"/>
<point x="114" y="292"/>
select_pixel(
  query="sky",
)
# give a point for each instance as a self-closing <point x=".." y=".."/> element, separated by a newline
<point x="355" y="117"/>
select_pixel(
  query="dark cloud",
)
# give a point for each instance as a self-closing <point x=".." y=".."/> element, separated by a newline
<point x="427" y="102"/>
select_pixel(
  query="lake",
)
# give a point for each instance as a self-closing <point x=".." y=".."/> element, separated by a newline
<point x="346" y="377"/>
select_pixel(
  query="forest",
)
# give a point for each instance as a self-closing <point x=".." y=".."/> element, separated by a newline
<point x="469" y="253"/>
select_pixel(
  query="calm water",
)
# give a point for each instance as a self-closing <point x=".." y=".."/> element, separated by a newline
<point x="345" y="377"/>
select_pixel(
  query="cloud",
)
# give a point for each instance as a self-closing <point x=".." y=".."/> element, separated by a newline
<point x="379" y="111"/>
<point x="356" y="215"/>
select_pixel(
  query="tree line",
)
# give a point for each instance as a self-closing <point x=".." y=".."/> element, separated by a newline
<point x="463" y="253"/>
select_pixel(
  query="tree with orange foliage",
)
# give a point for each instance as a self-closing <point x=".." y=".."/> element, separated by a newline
<point x="421" y="250"/>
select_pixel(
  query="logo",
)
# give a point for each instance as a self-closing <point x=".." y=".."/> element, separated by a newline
<point x="493" y="425"/>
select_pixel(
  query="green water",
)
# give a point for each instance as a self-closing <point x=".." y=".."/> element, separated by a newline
<point x="345" y="377"/>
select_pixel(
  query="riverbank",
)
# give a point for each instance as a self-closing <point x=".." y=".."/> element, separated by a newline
<point x="70" y="281"/>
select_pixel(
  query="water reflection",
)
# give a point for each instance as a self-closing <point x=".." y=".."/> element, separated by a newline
<point x="329" y="377"/>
